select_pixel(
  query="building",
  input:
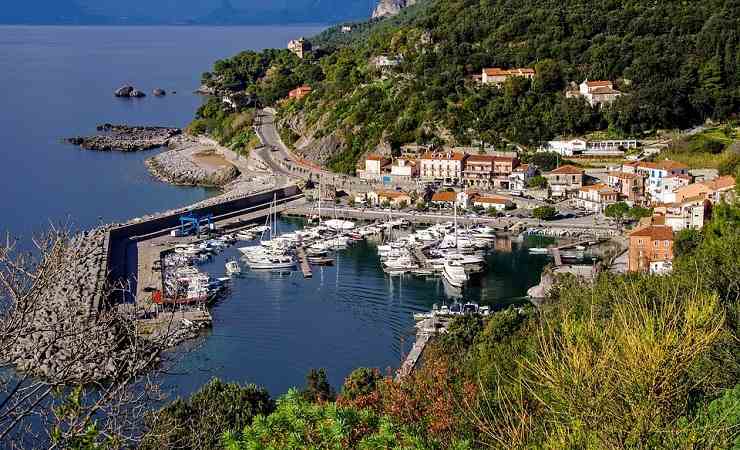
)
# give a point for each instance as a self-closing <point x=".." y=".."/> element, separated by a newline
<point x="598" y="92"/>
<point x="395" y="199"/>
<point x="722" y="188"/>
<point x="497" y="76"/>
<point x="631" y="186"/>
<point x="299" y="47"/>
<point x="520" y="176"/>
<point x="446" y="166"/>
<point x="495" y="202"/>
<point x="564" y="180"/>
<point x="374" y="164"/>
<point x="662" y="178"/>
<point x="488" y="171"/>
<point x="583" y="147"/>
<point x="385" y="62"/>
<point x="346" y="29"/>
<point x="405" y="167"/>
<point x="596" y="197"/>
<point x="651" y="249"/>
<point x="690" y="213"/>
<point x="444" y="199"/>
<point x="299" y="92"/>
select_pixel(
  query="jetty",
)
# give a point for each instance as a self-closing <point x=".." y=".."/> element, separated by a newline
<point x="303" y="262"/>
<point x="425" y="330"/>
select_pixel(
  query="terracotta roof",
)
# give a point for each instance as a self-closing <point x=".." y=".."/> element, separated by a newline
<point x="598" y="83"/>
<point x="655" y="232"/>
<point x="392" y="194"/>
<point x="493" y="200"/>
<point x="625" y="175"/>
<point x="604" y="90"/>
<point x="721" y="183"/>
<point x="374" y="158"/>
<point x="499" y="72"/>
<point x="567" y="169"/>
<point x="521" y="168"/>
<point x="667" y="164"/>
<point x="444" y="197"/>
<point x="445" y="156"/>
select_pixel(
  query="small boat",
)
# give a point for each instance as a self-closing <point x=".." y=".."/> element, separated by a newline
<point x="233" y="268"/>
<point x="538" y="251"/>
<point x="454" y="273"/>
<point x="321" y="261"/>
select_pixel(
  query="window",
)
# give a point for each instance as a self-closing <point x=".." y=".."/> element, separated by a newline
<point x="656" y="243"/>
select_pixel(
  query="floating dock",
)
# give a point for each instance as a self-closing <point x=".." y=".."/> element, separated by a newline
<point x="303" y="262"/>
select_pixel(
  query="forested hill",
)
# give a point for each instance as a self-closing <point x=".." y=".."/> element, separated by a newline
<point x="678" y="62"/>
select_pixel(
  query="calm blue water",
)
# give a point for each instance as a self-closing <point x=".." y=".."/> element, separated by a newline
<point x="58" y="82"/>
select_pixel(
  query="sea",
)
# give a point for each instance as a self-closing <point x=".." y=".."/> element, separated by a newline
<point x="272" y="328"/>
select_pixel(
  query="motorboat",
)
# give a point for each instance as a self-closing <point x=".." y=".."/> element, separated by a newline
<point x="321" y="261"/>
<point x="454" y="272"/>
<point x="538" y="251"/>
<point x="233" y="268"/>
<point x="271" y="261"/>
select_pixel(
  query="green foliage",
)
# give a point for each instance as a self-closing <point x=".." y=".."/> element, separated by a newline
<point x="537" y="182"/>
<point x="199" y="421"/>
<point x="317" y="387"/>
<point x="300" y="424"/>
<point x="617" y="210"/>
<point x="361" y="382"/>
<point x="544" y="212"/>
<point x="686" y="241"/>
<point x="638" y="212"/>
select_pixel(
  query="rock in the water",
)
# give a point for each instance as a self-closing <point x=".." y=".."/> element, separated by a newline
<point x="137" y="94"/>
<point x="124" y="91"/>
<point x="159" y="92"/>
<point x="126" y="138"/>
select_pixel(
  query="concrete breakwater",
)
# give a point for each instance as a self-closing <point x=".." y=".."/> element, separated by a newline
<point x="63" y="337"/>
<point x="192" y="166"/>
<point x="126" y="138"/>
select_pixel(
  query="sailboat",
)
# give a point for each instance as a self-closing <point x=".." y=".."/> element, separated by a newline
<point x="453" y="270"/>
<point x="272" y="253"/>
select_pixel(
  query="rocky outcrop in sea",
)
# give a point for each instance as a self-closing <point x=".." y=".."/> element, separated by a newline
<point x="126" y="138"/>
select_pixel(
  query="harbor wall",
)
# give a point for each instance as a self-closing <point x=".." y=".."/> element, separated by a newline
<point x="117" y="239"/>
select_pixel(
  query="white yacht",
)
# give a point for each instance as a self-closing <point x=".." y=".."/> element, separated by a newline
<point x="233" y="268"/>
<point x="454" y="273"/>
<point x="271" y="261"/>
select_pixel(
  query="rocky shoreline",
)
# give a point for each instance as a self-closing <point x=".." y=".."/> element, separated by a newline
<point x="179" y="166"/>
<point x="126" y="138"/>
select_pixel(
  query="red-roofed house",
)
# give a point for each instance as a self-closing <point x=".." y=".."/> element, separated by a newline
<point x="446" y="166"/>
<point x="596" y="197"/>
<point x="493" y="201"/>
<point x="496" y="75"/>
<point x="597" y="92"/>
<point x="374" y="164"/>
<point x="630" y="185"/>
<point x="520" y="176"/>
<point x="394" y="198"/>
<point x="564" y="180"/>
<point x="651" y="249"/>
<point x="488" y="171"/>
<point x="444" y="198"/>
<point x="299" y="92"/>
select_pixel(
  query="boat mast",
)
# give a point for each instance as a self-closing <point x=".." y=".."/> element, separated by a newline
<point x="319" y="198"/>
<point x="455" y="203"/>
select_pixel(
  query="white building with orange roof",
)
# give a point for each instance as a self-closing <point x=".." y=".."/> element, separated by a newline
<point x="689" y="213"/>
<point x="445" y="165"/>
<point x="498" y="76"/>
<point x="520" y="176"/>
<point x="564" y="180"/>
<point x="597" y="92"/>
<point x="404" y="167"/>
<point x="596" y="197"/>
<point x="493" y="202"/>
<point x="630" y="185"/>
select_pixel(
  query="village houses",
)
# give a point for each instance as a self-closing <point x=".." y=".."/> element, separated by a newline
<point x="497" y="76"/>
<point x="565" y="180"/>
<point x="405" y="167"/>
<point x="651" y="249"/>
<point x="493" y="202"/>
<point x="662" y="178"/>
<point x="445" y="199"/>
<point x="395" y="199"/>
<point x="631" y="186"/>
<point x="446" y="165"/>
<point x="690" y="213"/>
<point x="520" y="176"/>
<point x="714" y="190"/>
<point x="488" y="171"/>
<point x="583" y="147"/>
<point x="596" y="197"/>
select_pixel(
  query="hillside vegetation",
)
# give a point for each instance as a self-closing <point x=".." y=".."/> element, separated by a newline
<point x="678" y="62"/>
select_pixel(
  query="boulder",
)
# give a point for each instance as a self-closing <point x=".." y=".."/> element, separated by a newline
<point x="137" y="94"/>
<point x="124" y="91"/>
<point x="159" y="92"/>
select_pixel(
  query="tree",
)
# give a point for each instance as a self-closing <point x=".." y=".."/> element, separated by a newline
<point x="546" y="161"/>
<point x="537" y="182"/>
<point x="199" y="421"/>
<point x="402" y="204"/>
<point x="638" y="212"/>
<point x="317" y="387"/>
<point x="686" y="241"/>
<point x="361" y="383"/>
<point x="617" y="211"/>
<point x="385" y="204"/>
<point x="544" y="212"/>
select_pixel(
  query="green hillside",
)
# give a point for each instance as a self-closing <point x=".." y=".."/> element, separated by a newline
<point x="678" y="62"/>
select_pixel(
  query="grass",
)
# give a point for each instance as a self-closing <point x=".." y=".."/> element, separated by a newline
<point x="708" y="149"/>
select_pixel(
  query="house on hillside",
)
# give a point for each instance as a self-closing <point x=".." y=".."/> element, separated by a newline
<point x="690" y="213"/>
<point x="631" y="186"/>
<point x="395" y="199"/>
<point x="651" y="249"/>
<point x="493" y="202"/>
<point x="583" y="147"/>
<point x="489" y="171"/>
<point x="596" y="92"/>
<point x="299" y="47"/>
<point x="520" y="176"/>
<point x="498" y="76"/>
<point x="300" y="92"/>
<point x="565" y="180"/>
<point x="405" y="167"/>
<point x="444" y="199"/>
<point x="662" y="178"/>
